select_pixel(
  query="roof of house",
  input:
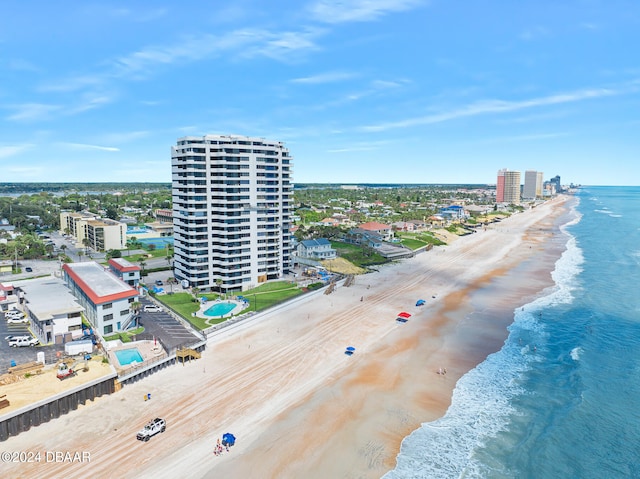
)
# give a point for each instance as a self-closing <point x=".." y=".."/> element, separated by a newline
<point x="374" y="226"/>
<point x="100" y="285"/>
<point x="316" y="242"/>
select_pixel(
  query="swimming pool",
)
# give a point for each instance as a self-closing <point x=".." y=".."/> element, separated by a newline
<point x="220" y="309"/>
<point x="128" y="356"/>
<point x="132" y="230"/>
<point x="161" y="242"/>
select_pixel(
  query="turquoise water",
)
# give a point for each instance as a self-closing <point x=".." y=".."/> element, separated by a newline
<point x="158" y="242"/>
<point x="127" y="356"/>
<point x="567" y="409"/>
<point x="220" y="309"/>
<point x="131" y="230"/>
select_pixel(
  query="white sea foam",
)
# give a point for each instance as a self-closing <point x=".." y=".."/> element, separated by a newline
<point x="575" y="353"/>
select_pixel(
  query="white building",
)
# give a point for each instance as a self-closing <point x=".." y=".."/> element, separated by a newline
<point x="106" y="299"/>
<point x="55" y="314"/>
<point x="232" y="200"/>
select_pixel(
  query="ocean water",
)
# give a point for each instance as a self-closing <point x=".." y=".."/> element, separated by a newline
<point x="561" y="399"/>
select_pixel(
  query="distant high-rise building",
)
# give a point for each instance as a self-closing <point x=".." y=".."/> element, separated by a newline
<point x="539" y="184"/>
<point x="512" y="187"/>
<point x="231" y="211"/>
<point x="500" y="186"/>
<point x="508" y="187"/>
<point x="556" y="181"/>
<point x="533" y="181"/>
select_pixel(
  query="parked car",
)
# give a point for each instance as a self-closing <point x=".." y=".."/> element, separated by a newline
<point x="151" y="429"/>
<point x="14" y="336"/>
<point x="28" y="269"/>
<point x="14" y="313"/>
<point x="23" y="341"/>
<point x="159" y="282"/>
<point x="17" y="319"/>
<point x="151" y="308"/>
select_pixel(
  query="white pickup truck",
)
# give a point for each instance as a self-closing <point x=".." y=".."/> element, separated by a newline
<point x="151" y="429"/>
<point x="21" y="341"/>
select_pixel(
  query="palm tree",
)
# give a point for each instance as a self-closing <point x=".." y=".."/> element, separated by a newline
<point x="171" y="281"/>
<point x="85" y="243"/>
<point x="219" y="285"/>
<point x="195" y="290"/>
<point x="142" y="265"/>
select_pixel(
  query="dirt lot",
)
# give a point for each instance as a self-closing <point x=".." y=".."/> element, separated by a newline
<point x="342" y="266"/>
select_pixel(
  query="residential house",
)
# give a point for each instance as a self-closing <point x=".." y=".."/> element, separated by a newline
<point x="318" y="249"/>
<point x="385" y="231"/>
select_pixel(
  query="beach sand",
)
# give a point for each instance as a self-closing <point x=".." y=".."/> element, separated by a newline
<point x="283" y="386"/>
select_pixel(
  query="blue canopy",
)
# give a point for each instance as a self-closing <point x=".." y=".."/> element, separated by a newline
<point x="228" y="439"/>
<point x="420" y="302"/>
<point x="351" y="348"/>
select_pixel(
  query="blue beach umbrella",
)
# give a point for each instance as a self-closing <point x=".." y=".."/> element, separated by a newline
<point x="351" y="348"/>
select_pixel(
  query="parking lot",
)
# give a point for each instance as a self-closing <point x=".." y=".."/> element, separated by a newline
<point x="164" y="326"/>
<point x="22" y="355"/>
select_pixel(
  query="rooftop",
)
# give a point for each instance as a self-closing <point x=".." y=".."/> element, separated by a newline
<point x="48" y="297"/>
<point x="99" y="284"/>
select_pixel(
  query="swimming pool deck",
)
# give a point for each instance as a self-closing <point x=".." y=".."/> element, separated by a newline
<point x="240" y="306"/>
<point x="149" y="350"/>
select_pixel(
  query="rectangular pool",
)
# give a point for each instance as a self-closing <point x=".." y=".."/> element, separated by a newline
<point x="128" y="356"/>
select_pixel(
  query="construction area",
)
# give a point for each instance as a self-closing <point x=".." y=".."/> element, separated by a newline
<point x="29" y="383"/>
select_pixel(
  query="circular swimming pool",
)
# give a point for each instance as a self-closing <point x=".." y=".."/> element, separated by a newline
<point x="220" y="309"/>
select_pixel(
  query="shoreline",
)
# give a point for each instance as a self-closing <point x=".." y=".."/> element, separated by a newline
<point x="300" y="407"/>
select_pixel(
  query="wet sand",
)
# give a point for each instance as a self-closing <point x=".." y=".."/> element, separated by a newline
<point x="282" y="384"/>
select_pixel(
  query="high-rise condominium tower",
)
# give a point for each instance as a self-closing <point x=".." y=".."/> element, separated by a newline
<point x="533" y="181"/>
<point x="232" y="200"/>
<point x="508" y="187"/>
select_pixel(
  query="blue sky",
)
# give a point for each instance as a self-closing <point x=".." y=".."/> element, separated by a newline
<point x="361" y="91"/>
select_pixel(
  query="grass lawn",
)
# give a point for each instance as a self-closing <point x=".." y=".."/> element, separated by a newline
<point x="125" y="337"/>
<point x="357" y="255"/>
<point x="423" y="237"/>
<point x="412" y="243"/>
<point x="262" y="297"/>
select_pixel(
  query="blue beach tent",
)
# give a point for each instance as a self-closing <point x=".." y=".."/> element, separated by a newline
<point x="228" y="439"/>
<point x="420" y="302"/>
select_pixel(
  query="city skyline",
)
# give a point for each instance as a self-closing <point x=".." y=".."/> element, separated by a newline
<point x="376" y="91"/>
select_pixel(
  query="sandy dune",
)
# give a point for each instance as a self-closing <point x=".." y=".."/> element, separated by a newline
<point x="283" y="386"/>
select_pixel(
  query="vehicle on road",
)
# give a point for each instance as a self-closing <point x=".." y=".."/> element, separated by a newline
<point x="14" y="313"/>
<point x="23" y="341"/>
<point x="159" y="282"/>
<point x="28" y="269"/>
<point x="152" y="308"/>
<point x="151" y="429"/>
<point x="17" y="320"/>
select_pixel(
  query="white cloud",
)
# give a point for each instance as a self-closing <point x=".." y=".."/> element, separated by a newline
<point x="498" y="106"/>
<point x="32" y="111"/>
<point x="246" y="42"/>
<point x="341" y="11"/>
<point x="12" y="150"/>
<point x="82" y="146"/>
<point x="329" y="77"/>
